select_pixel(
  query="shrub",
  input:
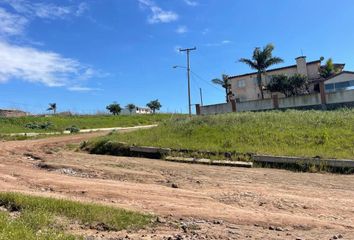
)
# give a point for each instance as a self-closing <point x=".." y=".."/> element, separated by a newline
<point x="41" y="126"/>
<point x="73" y="129"/>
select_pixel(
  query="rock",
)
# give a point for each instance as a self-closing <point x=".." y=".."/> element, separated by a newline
<point x="228" y="155"/>
<point x="279" y="229"/>
<point x="160" y="220"/>
<point x="184" y="227"/>
<point x="2" y="209"/>
<point x="101" y="227"/>
<point x="233" y="227"/>
<point x="271" y="228"/>
<point x="174" y="185"/>
<point x="218" y="222"/>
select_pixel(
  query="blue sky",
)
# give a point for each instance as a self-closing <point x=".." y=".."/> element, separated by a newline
<point x="84" y="55"/>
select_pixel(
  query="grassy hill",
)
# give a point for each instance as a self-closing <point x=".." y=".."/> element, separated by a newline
<point x="294" y="133"/>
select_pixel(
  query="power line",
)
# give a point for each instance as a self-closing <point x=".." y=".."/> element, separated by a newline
<point x="212" y="85"/>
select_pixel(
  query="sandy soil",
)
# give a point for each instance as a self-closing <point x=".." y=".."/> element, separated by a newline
<point x="209" y="202"/>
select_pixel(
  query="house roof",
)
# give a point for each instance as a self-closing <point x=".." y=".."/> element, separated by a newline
<point x="335" y="75"/>
<point x="274" y="69"/>
<point x="317" y="80"/>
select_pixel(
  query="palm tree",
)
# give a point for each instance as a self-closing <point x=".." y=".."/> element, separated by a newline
<point x="52" y="107"/>
<point x="261" y="60"/>
<point x="225" y="83"/>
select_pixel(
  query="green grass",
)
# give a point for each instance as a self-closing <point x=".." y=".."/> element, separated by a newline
<point x="60" y="123"/>
<point x="327" y="134"/>
<point x="47" y="218"/>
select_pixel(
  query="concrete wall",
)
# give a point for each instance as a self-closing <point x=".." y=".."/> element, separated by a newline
<point x="216" y="109"/>
<point x="340" y="97"/>
<point x="300" y="101"/>
<point x="254" y="105"/>
<point x="312" y="101"/>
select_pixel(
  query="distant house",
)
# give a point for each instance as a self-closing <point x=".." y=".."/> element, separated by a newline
<point x="137" y="110"/>
<point x="12" y="113"/>
<point x="140" y="110"/>
<point x="245" y="87"/>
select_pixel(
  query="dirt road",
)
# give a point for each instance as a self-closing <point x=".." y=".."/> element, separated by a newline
<point x="206" y="202"/>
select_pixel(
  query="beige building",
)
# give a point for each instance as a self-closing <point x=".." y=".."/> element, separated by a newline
<point x="12" y="113"/>
<point x="245" y="87"/>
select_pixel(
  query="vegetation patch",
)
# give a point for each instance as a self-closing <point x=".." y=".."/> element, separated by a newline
<point x="29" y="217"/>
<point x="323" y="134"/>
<point x="55" y="123"/>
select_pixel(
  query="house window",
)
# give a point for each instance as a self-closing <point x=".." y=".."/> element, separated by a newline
<point x="341" y="85"/>
<point x="241" y="83"/>
<point x="329" y="87"/>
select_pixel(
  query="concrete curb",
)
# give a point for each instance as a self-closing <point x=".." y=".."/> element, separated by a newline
<point x="210" y="162"/>
<point x="336" y="163"/>
<point x="150" y="150"/>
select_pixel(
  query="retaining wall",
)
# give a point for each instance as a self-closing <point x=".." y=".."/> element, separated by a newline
<point x="322" y="100"/>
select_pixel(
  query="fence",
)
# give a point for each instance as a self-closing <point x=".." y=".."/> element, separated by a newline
<point x="320" y="100"/>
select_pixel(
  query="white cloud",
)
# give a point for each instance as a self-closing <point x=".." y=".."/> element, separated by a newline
<point x="226" y="42"/>
<point x="191" y="3"/>
<point x="158" y="14"/>
<point x="82" y="89"/>
<point x="182" y="29"/>
<point x="218" y="44"/>
<point x="82" y="8"/>
<point x="205" y="31"/>
<point x="46" y="10"/>
<point x="11" y="24"/>
<point x="32" y="65"/>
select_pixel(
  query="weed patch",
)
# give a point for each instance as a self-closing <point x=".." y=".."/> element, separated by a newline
<point x="38" y="217"/>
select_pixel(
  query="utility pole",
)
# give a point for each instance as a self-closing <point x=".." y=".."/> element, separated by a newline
<point x="188" y="50"/>
<point x="201" y="96"/>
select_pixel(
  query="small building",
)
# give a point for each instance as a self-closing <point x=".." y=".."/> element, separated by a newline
<point x="137" y="111"/>
<point x="245" y="86"/>
<point x="12" y="113"/>
<point x="140" y="110"/>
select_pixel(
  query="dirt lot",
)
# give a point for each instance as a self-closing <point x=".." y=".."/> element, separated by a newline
<point x="192" y="201"/>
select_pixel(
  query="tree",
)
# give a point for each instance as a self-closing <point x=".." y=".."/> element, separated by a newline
<point x="130" y="107"/>
<point x="52" y="107"/>
<point x="261" y="60"/>
<point x="225" y="83"/>
<point x="154" y="105"/>
<point x="329" y="69"/>
<point x="289" y="86"/>
<point x="114" y="108"/>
